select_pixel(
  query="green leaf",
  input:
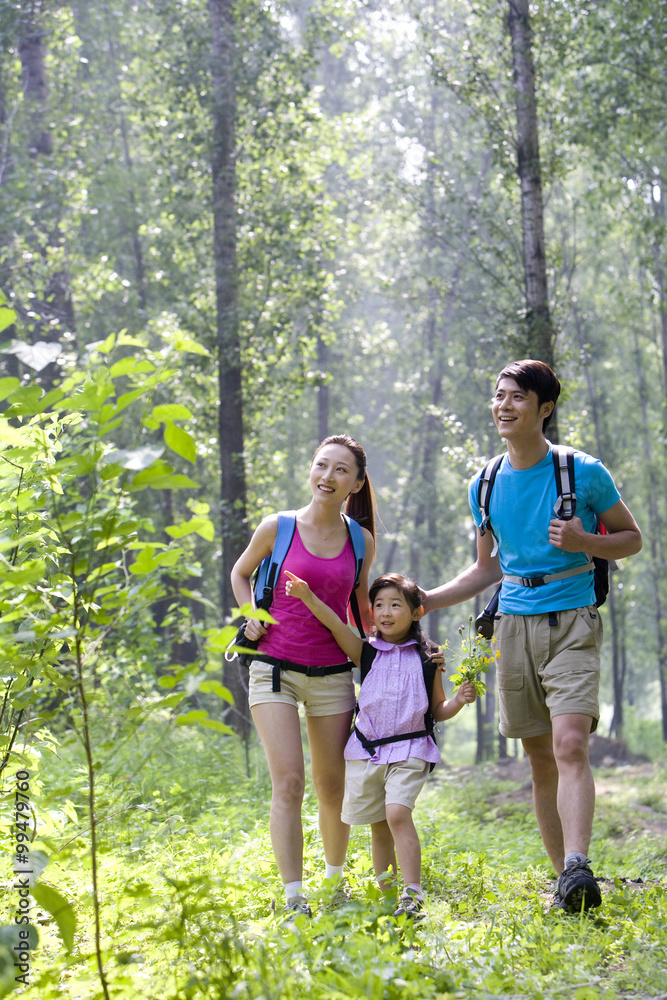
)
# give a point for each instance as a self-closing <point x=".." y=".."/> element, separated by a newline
<point x="103" y="346"/>
<point x="162" y="477"/>
<point x="8" y="315"/>
<point x="138" y="459"/>
<point x="180" y="441"/>
<point x="201" y="525"/>
<point x="127" y="366"/>
<point x="23" y="401"/>
<point x="200" y="718"/>
<point x="215" y="687"/>
<point x="12" y="437"/>
<point x="60" y="909"/>
<point x="7" y="386"/>
<point x="168" y="412"/>
<point x="187" y="344"/>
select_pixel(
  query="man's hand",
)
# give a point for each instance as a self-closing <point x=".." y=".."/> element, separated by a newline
<point x="569" y="536"/>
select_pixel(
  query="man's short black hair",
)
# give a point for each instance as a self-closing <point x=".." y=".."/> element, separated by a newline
<point x="535" y="376"/>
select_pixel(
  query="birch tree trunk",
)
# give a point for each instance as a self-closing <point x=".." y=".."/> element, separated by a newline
<point x="230" y="411"/>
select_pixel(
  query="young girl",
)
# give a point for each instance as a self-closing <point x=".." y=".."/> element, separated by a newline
<point x="314" y="670"/>
<point x="384" y="774"/>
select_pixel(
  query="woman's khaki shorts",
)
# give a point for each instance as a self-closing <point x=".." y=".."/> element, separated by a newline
<point x="370" y="788"/>
<point x="547" y="670"/>
<point x="328" y="695"/>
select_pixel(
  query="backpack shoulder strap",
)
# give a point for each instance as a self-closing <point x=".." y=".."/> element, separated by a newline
<point x="358" y="545"/>
<point x="484" y="488"/>
<point x="269" y="568"/>
<point x="566" y="498"/>
<point x="368" y="654"/>
<point x="359" y="548"/>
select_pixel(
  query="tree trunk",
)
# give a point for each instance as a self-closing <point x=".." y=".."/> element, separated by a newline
<point x="618" y="674"/>
<point x="660" y="213"/>
<point x="137" y="250"/>
<point x="32" y="52"/>
<point x="655" y="539"/>
<point x="322" y="390"/>
<point x="55" y="310"/>
<point x="539" y="331"/>
<point x="230" y="413"/>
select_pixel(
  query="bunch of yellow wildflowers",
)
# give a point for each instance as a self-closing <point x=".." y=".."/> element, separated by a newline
<point x="476" y="657"/>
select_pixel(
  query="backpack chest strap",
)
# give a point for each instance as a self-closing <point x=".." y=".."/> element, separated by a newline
<point x="368" y="745"/>
<point x="540" y="581"/>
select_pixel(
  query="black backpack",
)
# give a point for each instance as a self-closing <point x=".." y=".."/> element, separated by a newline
<point x="428" y="668"/>
<point x="564" y="509"/>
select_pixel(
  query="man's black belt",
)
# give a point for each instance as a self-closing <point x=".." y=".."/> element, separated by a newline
<point x="300" y="668"/>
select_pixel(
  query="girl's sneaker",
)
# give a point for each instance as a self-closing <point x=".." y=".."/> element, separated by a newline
<point x="410" y="905"/>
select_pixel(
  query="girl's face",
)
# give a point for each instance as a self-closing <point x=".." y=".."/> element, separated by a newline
<point x="392" y="615"/>
<point x="334" y="474"/>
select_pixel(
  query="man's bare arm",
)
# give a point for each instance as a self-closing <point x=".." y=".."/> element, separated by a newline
<point x="483" y="573"/>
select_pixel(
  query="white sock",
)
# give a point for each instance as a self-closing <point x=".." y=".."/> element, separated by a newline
<point x="332" y="871"/>
<point x="575" y="858"/>
<point x="293" y="889"/>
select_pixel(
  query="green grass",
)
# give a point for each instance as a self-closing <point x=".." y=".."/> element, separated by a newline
<point x="187" y="882"/>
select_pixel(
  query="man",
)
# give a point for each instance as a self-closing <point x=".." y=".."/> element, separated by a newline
<point x="549" y="635"/>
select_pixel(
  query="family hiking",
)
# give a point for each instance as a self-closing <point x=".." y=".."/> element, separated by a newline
<point x="543" y="524"/>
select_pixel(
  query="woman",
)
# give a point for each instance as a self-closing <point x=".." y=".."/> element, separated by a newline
<point x="320" y="553"/>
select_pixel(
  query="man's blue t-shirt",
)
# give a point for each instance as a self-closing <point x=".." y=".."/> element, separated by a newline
<point x="522" y="505"/>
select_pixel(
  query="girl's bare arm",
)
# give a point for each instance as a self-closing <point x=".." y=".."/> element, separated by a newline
<point x="348" y="641"/>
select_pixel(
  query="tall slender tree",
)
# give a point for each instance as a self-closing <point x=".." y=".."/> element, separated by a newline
<point x="539" y="329"/>
<point x="230" y="405"/>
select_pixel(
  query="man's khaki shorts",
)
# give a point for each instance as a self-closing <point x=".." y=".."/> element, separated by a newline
<point x="370" y="788"/>
<point x="547" y="670"/>
<point x="330" y="695"/>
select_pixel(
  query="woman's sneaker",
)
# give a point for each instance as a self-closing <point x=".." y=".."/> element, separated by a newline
<point x="577" y="888"/>
<point x="410" y="905"/>
<point x="297" y="906"/>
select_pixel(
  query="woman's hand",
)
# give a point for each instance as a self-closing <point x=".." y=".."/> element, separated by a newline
<point x="254" y="630"/>
<point x="296" y="587"/>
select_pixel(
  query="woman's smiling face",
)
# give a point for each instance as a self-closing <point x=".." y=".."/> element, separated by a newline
<point x="334" y="473"/>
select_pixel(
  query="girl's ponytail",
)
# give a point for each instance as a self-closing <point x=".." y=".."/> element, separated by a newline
<point x="359" y="506"/>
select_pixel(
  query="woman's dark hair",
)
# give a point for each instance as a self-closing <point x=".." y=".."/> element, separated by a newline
<point x="413" y="594"/>
<point x="535" y="376"/>
<point x="359" y="506"/>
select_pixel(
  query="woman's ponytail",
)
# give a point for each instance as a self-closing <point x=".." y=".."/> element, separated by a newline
<point x="361" y="506"/>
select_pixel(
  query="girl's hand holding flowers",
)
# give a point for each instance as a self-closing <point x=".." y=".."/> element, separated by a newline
<point x="477" y="657"/>
<point x="467" y="692"/>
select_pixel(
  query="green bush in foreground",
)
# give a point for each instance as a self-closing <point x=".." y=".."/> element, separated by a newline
<point x="186" y="884"/>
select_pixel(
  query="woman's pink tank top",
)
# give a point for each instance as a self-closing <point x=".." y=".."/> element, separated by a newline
<point x="299" y="636"/>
